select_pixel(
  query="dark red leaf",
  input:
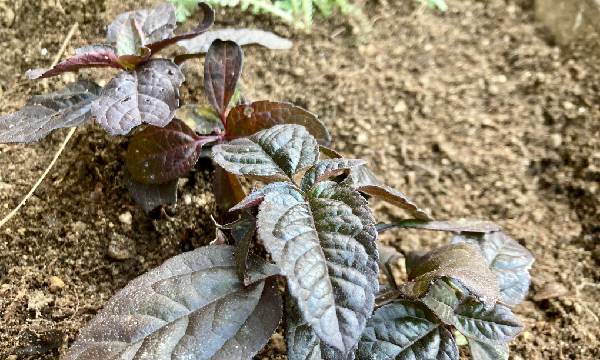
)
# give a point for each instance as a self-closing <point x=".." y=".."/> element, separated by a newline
<point x="228" y="191"/>
<point x="151" y="196"/>
<point x="158" y="155"/>
<point x="208" y="19"/>
<point x="245" y="120"/>
<point x="85" y="57"/>
<point x="222" y="69"/>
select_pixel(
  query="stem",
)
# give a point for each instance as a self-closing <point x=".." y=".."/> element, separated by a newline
<point x="62" y="146"/>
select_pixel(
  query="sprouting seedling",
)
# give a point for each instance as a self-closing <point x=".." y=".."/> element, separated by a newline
<point x="158" y="156"/>
<point x="312" y="218"/>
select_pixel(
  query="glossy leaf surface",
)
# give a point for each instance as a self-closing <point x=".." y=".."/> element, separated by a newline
<point x="191" y="307"/>
<point x="85" y="57"/>
<point x="325" y="246"/>
<point x="325" y="169"/>
<point x="508" y="259"/>
<point x="406" y="330"/>
<point x="201" y="43"/>
<point x="277" y="153"/>
<point x="247" y="119"/>
<point x="68" y="107"/>
<point x="222" y="69"/>
<point x="150" y="94"/>
<point x="362" y="179"/>
<point x="460" y="262"/>
<point x="158" y="155"/>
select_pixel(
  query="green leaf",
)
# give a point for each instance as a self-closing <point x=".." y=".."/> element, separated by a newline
<point x="460" y="262"/>
<point x="405" y="330"/>
<point x="191" y="307"/>
<point x="494" y="324"/>
<point x="327" y="168"/>
<point x="362" y="179"/>
<point x="247" y="119"/>
<point x="483" y="351"/>
<point x="202" y="118"/>
<point x="277" y="153"/>
<point x="508" y="260"/>
<point x="324" y="243"/>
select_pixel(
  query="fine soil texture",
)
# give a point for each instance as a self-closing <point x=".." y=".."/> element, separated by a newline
<point x="474" y="113"/>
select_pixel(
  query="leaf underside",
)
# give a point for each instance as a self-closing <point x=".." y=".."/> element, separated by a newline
<point x="222" y="69"/>
<point x="461" y="262"/>
<point x="156" y="24"/>
<point x="327" y="168"/>
<point x="68" y="107"/>
<point x="150" y="94"/>
<point x="273" y="154"/>
<point x="191" y="307"/>
<point x="247" y="119"/>
<point x="508" y="259"/>
<point x="456" y="226"/>
<point x="495" y="324"/>
<point x="160" y="155"/>
<point x="405" y="330"/>
<point x="325" y="246"/>
<point x="362" y="179"/>
<point x="483" y="351"/>
<point x="85" y="57"/>
<point x="201" y="43"/>
<point x="151" y="196"/>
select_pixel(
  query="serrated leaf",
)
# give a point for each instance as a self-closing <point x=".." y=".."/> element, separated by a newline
<point x="325" y="246"/>
<point x="247" y="119"/>
<point x="455" y="226"/>
<point x="202" y="118"/>
<point x="68" y="107"/>
<point x="156" y="24"/>
<point x="493" y="324"/>
<point x="85" y="57"/>
<point x="256" y="197"/>
<point x="158" y="155"/>
<point x="483" y="351"/>
<point x="201" y="44"/>
<point x="208" y="18"/>
<point x="405" y="330"/>
<point x="325" y="169"/>
<point x="191" y="307"/>
<point x="302" y="342"/>
<point x="222" y="69"/>
<point x="277" y="153"/>
<point x="508" y="260"/>
<point x="150" y="94"/>
<point x="460" y="262"/>
<point x="362" y="179"/>
<point x="151" y="196"/>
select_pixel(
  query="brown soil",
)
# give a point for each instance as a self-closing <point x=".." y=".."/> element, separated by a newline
<point x="473" y="113"/>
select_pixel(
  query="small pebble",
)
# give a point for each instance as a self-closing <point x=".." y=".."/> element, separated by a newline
<point x="120" y="247"/>
<point x="125" y="218"/>
<point x="55" y="284"/>
<point x="555" y="141"/>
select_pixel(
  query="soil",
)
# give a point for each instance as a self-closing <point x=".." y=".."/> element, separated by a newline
<point x="474" y="113"/>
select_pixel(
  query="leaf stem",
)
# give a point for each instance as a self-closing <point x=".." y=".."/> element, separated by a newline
<point x="11" y="214"/>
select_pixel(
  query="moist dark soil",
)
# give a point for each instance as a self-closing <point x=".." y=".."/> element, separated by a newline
<point x="474" y="113"/>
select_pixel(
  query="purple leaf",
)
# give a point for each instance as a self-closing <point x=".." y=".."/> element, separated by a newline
<point x="68" y="107"/>
<point x="222" y="69"/>
<point x="85" y="57"/>
<point x="151" y="196"/>
<point x="201" y="43"/>
<point x="325" y="169"/>
<point x="228" y="190"/>
<point x="362" y="179"/>
<point x="208" y="19"/>
<point x="245" y="120"/>
<point x="455" y="226"/>
<point x="191" y="307"/>
<point x="156" y="24"/>
<point x="150" y="94"/>
<point x="159" y="155"/>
